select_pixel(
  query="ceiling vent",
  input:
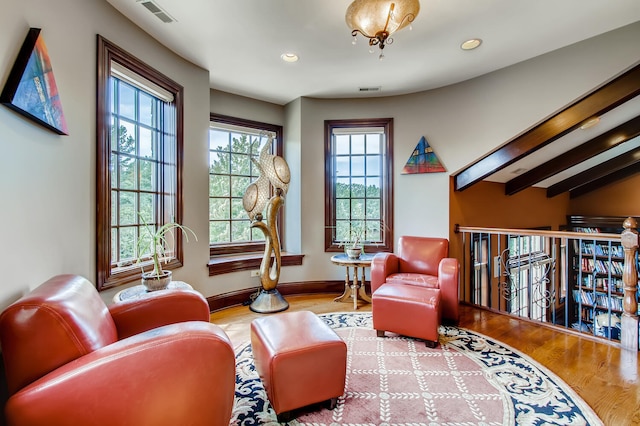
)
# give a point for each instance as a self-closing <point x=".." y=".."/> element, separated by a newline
<point x="369" y="89"/>
<point x="159" y="12"/>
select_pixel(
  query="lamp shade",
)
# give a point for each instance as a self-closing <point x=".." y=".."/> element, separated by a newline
<point x="370" y="17"/>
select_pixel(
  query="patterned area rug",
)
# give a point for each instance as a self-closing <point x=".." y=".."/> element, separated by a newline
<point x="468" y="379"/>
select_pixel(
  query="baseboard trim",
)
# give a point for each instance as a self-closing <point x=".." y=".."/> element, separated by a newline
<point x="239" y="297"/>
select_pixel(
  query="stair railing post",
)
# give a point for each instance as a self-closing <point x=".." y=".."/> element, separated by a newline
<point x="629" y="239"/>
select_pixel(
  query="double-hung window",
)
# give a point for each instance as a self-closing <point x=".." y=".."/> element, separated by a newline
<point x="358" y="184"/>
<point x="139" y="163"/>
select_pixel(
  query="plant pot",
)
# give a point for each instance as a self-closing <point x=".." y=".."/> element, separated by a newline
<point x="154" y="282"/>
<point x="353" y="252"/>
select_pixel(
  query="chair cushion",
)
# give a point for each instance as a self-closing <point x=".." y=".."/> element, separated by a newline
<point x="422" y="280"/>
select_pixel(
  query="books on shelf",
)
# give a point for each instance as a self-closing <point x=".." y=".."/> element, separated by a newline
<point x="605" y="250"/>
<point x="600" y="266"/>
<point x="602" y="283"/>
<point x="598" y="300"/>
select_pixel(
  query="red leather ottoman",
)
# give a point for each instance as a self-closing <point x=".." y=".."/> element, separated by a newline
<point x="408" y="310"/>
<point x="300" y="360"/>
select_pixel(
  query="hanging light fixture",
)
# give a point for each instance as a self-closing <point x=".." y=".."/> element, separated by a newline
<point x="377" y="20"/>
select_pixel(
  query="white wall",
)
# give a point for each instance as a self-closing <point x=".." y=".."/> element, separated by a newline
<point x="461" y="122"/>
<point x="47" y="184"/>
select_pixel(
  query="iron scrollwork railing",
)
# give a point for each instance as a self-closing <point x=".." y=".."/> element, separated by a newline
<point x="538" y="268"/>
<point x="572" y="280"/>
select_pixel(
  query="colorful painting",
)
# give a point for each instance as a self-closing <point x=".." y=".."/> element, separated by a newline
<point x="423" y="160"/>
<point x="31" y="87"/>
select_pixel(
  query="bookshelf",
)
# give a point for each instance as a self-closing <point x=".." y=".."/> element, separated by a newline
<point x="596" y="277"/>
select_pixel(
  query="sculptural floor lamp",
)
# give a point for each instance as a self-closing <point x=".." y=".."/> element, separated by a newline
<point x="274" y="171"/>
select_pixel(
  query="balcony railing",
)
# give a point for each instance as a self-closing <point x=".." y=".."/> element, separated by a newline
<point x="581" y="281"/>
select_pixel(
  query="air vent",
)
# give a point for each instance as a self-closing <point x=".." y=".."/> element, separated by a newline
<point x="160" y="13"/>
<point x="369" y="89"/>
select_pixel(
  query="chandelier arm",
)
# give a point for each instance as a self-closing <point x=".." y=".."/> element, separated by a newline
<point x="409" y="17"/>
<point x="386" y="24"/>
<point x="363" y="34"/>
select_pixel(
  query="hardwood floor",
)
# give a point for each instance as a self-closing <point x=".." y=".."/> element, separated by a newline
<point x="606" y="377"/>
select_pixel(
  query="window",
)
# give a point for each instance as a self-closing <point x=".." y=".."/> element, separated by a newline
<point x="529" y="268"/>
<point x="232" y="143"/>
<point x="358" y="183"/>
<point x="139" y="162"/>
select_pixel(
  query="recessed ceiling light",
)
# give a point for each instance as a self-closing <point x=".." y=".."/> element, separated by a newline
<point x="289" y="57"/>
<point x="590" y="123"/>
<point x="471" y="44"/>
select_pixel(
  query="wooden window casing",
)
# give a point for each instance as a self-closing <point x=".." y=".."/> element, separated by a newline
<point x="167" y="192"/>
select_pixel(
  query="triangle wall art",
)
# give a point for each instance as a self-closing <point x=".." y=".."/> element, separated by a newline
<point x="31" y="88"/>
<point x="423" y="160"/>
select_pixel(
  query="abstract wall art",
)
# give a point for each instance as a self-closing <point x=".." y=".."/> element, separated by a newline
<point x="423" y="160"/>
<point x="31" y="87"/>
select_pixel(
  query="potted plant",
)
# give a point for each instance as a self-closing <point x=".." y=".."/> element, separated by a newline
<point x="158" y="278"/>
<point x="356" y="237"/>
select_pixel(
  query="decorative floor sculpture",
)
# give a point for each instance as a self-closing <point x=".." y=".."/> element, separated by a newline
<point x="274" y="171"/>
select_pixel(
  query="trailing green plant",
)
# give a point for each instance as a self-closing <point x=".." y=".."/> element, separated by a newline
<point x="158" y="243"/>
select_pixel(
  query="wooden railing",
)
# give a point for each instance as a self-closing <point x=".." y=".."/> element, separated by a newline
<point x="586" y="282"/>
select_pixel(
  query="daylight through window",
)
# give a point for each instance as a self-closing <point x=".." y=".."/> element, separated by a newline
<point x="232" y="144"/>
<point x="139" y="163"/>
<point x="359" y="184"/>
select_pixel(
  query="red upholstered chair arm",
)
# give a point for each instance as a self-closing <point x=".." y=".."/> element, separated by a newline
<point x="160" y="308"/>
<point x="178" y="374"/>
<point x="448" y="272"/>
<point x="382" y="265"/>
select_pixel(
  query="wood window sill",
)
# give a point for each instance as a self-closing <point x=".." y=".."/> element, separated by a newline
<point x="225" y="264"/>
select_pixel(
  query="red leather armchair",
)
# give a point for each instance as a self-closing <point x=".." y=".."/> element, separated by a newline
<point x="71" y="360"/>
<point x="421" y="261"/>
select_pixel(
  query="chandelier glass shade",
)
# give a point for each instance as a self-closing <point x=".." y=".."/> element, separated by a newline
<point x="377" y="20"/>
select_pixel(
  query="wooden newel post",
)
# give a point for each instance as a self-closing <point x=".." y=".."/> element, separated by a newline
<point x="629" y="239"/>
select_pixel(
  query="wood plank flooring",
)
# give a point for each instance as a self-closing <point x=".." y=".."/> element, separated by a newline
<point x="606" y="377"/>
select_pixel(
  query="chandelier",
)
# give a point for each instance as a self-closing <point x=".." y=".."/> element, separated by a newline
<point x="377" y="20"/>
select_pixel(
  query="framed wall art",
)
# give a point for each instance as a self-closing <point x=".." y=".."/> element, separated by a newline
<point x="423" y="160"/>
<point x="31" y="87"/>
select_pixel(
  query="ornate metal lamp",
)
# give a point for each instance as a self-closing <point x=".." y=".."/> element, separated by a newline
<point x="274" y="171"/>
<point x="377" y="20"/>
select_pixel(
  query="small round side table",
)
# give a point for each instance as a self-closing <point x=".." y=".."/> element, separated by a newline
<point x="140" y="291"/>
<point x="354" y="290"/>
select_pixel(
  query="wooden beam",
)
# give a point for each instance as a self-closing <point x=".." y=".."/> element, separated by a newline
<point x="605" y="180"/>
<point x="606" y="97"/>
<point x="601" y="170"/>
<point x="595" y="146"/>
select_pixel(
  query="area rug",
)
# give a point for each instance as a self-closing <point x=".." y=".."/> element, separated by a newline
<point x="468" y="379"/>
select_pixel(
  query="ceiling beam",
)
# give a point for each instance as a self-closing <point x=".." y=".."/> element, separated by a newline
<point x="605" y="180"/>
<point x="595" y="146"/>
<point x="601" y="170"/>
<point x="604" y="98"/>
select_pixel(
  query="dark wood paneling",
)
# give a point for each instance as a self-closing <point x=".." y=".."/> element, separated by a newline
<point x="595" y="146"/>
<point x="597" y="102"/>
